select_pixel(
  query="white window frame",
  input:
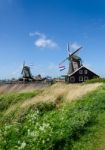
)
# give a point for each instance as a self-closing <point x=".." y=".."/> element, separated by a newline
<point x="85" y="71"/>
<point x="80" y="71"/>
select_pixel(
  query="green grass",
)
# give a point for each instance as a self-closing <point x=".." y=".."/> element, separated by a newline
<point x="13" y="99"/>
<point x="9" y="99"/>
<point x="74" y="126"/>
<point x="96" y="80"/>
<point x="92" y="139"/>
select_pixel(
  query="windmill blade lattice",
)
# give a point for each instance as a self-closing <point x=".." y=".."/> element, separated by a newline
<point x="74" y="61"/>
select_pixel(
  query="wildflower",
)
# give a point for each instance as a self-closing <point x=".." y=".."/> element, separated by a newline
<point x="18" y="142"/>
<point x="23" y="144"/>
<point x="43" y="141"/>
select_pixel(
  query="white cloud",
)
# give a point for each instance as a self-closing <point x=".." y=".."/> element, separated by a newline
<point x="43" y="41"/>
<point x="40" y="34"/>
<point x="74" y="46"/>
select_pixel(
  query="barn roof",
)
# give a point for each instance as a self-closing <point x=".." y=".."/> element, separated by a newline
<point x="81" y="68"/>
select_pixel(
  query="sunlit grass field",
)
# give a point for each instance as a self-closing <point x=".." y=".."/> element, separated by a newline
<point x="57" y="117"/>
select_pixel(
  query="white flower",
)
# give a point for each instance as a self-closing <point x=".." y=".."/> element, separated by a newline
<point x="41" y="128"/>
<point x="18" y="142"/>
<point x="43" y="141"/>
<point x="23" y="145"/>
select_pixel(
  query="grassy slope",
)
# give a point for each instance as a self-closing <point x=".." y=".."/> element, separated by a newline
<point x="94" y="135"/>
<point x="77" y="125"/>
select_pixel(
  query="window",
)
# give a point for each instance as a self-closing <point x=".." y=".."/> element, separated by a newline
<point x="80" y="78"/>
<point x="85" y="71"/>
<point x="72" y="79"/>
<point x="80" y="71"/>
<point x="85" y="78"/>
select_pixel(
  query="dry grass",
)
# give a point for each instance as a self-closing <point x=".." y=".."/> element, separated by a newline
<point x="8" y="88"/>
<point x="52" y="93"/>
<point x="69" y="92"/>
<point x="78" y="91"/>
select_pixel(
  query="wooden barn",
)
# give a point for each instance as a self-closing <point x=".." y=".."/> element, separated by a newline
<point x="81" y="75"/>
<point x="77" y="73"/>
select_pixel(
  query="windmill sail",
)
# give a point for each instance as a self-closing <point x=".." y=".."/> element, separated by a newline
<point x="75" y="61"/>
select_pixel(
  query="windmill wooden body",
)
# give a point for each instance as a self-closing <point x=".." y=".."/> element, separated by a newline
<point x="76" y="71"/>
<point x="75" y="61"/>
<point x="26" y="73"/>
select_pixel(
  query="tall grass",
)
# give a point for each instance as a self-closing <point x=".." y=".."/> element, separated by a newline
<point x="47" y="127"/>
<point x="13" y="101"/>
<point x="13" y="98"/>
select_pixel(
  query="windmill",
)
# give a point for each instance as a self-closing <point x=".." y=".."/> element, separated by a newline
<point x="27" y="76"/>
<point x="75" y="62"/>
<point x="26" y="73"/>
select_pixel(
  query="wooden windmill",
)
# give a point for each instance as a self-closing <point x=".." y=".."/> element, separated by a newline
<point x="26" y="73"/>
<point x="75" y="61"/>
<point x="77" y="73"/>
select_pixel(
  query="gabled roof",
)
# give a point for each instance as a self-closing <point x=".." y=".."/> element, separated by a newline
<point x="79" y="69"/>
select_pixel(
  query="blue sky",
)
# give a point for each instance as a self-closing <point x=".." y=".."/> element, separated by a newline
<point x="37" y="32"/>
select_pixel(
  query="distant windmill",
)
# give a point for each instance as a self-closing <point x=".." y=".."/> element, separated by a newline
<point x="75" y="61"/>
<point x="26" y="72"/>
<point x="27" y="76"/>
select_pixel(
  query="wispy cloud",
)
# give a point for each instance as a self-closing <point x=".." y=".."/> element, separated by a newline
<point x="74" y="46"/>
<point x="42" y="41"/>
